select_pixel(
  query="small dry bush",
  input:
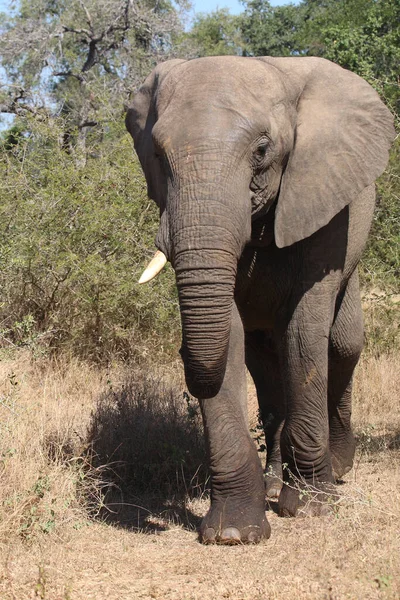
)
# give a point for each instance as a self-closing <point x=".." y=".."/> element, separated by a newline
<point x="76" y="440"/>
<point x="382" y="321"/>
<point x="43" y="414"/>
<point x="146" y="436"/>
<point x="376" y="407"/>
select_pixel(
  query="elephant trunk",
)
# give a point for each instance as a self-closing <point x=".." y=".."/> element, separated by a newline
<point x="205" y="298"/>
<point x="207" y="240"/>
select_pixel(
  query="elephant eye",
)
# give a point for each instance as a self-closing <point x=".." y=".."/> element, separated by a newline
<point x="261" y="150"/>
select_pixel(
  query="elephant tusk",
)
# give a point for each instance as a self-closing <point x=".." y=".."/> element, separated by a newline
<point x="156" y="265"/>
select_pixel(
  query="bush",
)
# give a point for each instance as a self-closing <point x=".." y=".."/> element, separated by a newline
<point x="380" y="267"/>
<point x="147" y="436"/>
<point x="381" y="262"/>
<point x="73" y="242"/>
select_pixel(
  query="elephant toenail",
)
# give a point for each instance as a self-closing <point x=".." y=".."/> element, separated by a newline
<point x="209" y="535"/>
<point x="253" y="537"/>
<point x="273" y="492"/>
<point x="231" y="535"/>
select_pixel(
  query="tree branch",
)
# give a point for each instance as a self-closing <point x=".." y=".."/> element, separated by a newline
<point x="92" y="57"/>
<point x="15" y="107"/>
<point x="68" y="74"/>
<point x="77" y="31"/>
<point x="88" y="17"/>
<point x="88" y="124"/>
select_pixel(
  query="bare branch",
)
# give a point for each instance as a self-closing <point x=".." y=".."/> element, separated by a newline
<point x="15" y="107"/>
<point x="88" y="124"/>
<point x="88" y="17"/>
<point x="69" y="74"/>
<point x="78" y="31"/>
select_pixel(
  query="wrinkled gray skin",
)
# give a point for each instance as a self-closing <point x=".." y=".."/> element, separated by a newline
<point x="264" y="173"/>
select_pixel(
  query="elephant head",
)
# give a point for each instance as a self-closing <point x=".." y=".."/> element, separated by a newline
<point x="220" y="141"/>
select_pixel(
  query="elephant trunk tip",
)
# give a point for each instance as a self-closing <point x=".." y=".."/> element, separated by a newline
<point x="203" y="382"/>
<point x="203" y="391"/>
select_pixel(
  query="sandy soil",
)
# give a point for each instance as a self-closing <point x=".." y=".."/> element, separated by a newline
<point x="50" y="549"/>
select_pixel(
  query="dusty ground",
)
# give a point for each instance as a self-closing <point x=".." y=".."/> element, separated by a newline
<point x="50" y="549"/>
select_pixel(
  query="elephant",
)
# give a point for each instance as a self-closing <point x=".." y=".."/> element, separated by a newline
<point x="264" y="173"/>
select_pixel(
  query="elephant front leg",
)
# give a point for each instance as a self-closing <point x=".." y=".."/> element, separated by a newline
<point x="308" y="477"/>
<point x="237" y="512"/>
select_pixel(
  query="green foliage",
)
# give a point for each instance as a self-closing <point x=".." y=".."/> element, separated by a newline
<point x="381" y="322"/>
<point x="12" y="137"/>
<point x="38" y="516"/>
<point x="381" y="263"/>
<point x="214" y="34"/>
<point x="360" y="35"/>
<point x="271" y="30"/>
<point x="76" y="227"/>
<point x="380" y="266"/>
<point x="73" y="242"/>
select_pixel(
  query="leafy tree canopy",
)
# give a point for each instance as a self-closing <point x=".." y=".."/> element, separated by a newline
<point x="81" y="58"/>
<point x="214" y="34"/>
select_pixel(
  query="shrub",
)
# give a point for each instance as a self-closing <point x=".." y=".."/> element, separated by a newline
<point x="147" y="436"/>
<point x="73" y="242"/>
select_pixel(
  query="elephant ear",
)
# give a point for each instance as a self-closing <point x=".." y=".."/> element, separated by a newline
<point x="342" y="138"/>
<point x="140" y="119"/>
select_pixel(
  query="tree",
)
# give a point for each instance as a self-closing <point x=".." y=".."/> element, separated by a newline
<point x="214" y="34"/>
<point x="76" y="227"/>
<point x="271" y="31"/>
<point x="81" y="58"/>
<point x="73" y="243"/>
<point x="360" y="35"/>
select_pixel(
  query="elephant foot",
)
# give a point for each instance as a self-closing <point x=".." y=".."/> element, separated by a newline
<point x="340" y="467"/>
<point x="301" y="500"/>
<point x="342" y="457"/>
<point x="273" y="480"/>
<point x="228" y="522"/>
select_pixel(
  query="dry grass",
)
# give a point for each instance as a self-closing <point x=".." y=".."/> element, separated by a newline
<point x="61" y="464"/>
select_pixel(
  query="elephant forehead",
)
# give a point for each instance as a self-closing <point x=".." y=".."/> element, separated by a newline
<point x="218" y="120"/>
<point x="232" y="80"/>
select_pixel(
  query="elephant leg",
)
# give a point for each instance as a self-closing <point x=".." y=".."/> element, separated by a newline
<point x="346" y="342"/>
<point x="237" y="512"/>
<point x="263" y="364"/>
<point x="305" y="452"/>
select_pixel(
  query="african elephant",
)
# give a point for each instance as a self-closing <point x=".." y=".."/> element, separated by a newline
<point x="263" y="170"/>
